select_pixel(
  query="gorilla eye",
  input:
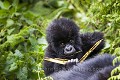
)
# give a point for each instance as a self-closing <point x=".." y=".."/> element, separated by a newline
<point x="71" y="41"/>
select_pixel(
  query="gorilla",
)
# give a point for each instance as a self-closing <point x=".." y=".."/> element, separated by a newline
<point x="66" y="42"/>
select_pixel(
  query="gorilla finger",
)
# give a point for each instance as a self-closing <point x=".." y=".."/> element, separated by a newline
<point x="76" y="60"/>
<point x="72" y="60"/>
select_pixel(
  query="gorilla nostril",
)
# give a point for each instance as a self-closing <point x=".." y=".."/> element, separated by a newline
<point x="69" y="48"/>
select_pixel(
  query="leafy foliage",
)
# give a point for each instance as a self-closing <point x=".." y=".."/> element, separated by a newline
<point x="22" y="31"/>
<point x="21" y="50"/>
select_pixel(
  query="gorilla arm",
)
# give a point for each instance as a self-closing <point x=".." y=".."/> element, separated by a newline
<point x="89" y="39"/>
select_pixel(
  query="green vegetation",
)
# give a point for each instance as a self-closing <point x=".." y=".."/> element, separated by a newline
<point x="22" y="31"/>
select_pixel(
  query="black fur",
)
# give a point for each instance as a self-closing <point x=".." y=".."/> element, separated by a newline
<point x="63" y="31"/>
<point x="97" y="68"/>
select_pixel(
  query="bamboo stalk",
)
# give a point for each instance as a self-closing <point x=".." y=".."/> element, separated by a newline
<point x="56" y="60"/>
<point x="91" y="49"/>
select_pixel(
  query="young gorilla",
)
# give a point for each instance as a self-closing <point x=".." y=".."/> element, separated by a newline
<point x="97" y="68"/>
<point x="65" y="41"/>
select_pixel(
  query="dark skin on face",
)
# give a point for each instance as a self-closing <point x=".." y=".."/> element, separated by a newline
<point x="65" y="41"/>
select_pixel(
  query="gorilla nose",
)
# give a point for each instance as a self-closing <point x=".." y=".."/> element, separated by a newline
<point x="69" y="49"/>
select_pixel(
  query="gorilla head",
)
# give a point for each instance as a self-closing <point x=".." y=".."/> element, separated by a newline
<point x="63" y="36"/>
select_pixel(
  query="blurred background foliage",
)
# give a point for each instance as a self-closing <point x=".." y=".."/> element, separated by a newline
<point x="22" y="31"/>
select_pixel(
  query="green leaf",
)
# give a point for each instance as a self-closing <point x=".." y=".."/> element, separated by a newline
<point x="18" y="53"/>
<point x="4" y="5"/>
<point x="13" y="67"/>
<point x="58" y="12"/>
<point x="10" y="22"/>
<point x="116" y="60"/>
<point x="15" y="3"/>
<point x="28" y="21"/>
<point x="33" y="40"/>
<point x="3" y="14"/>
<point x="42" y="40"/>
<point x="22" y="73"/>
<point x="10" y="58"/>
<point x="117" y="51"/>
<point x="10" y="30"/>
<point x="9" y="38"/>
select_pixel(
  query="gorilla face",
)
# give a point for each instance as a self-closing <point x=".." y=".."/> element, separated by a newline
<point x="63" y="37"/>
